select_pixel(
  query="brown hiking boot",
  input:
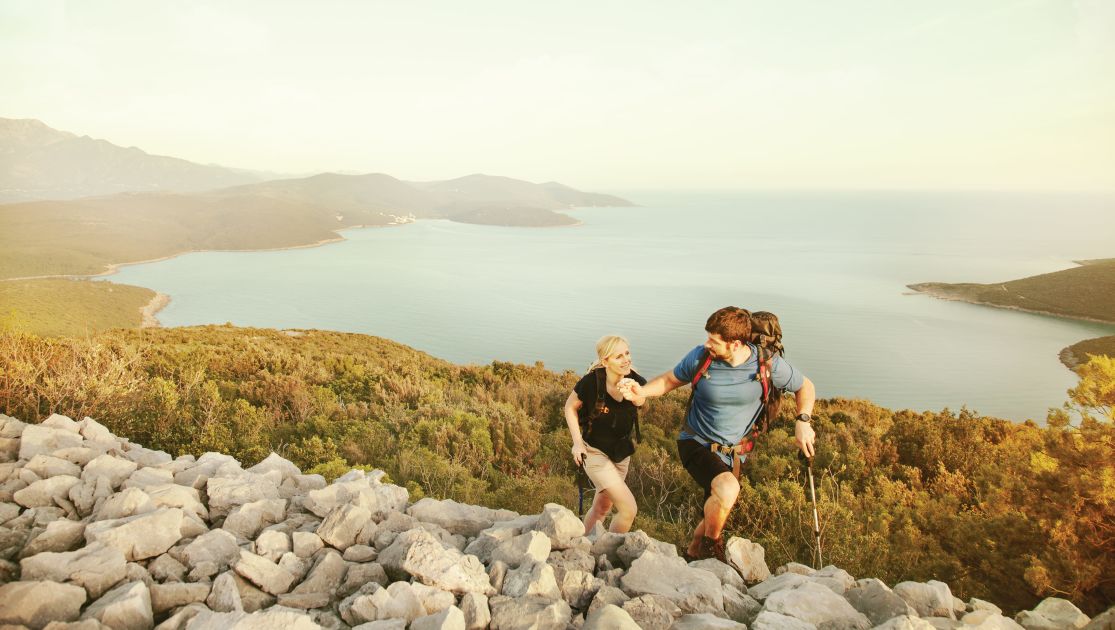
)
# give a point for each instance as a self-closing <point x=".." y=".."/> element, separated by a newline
<point x="712" y="548"/>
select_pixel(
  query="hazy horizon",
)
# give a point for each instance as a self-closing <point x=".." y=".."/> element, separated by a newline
<point x="1008" y="95"/>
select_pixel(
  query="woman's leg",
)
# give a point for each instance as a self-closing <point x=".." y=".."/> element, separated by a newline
<point x="626" y="509"/>
<point x="601" y="505"/>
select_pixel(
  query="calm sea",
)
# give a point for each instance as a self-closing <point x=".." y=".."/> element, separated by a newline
<point x="833" y="266"/>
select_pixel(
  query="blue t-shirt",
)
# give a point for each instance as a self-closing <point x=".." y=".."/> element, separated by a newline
<point x="728" y="399"/>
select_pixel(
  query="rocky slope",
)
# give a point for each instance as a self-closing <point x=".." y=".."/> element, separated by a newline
<point x="98" y="532"/>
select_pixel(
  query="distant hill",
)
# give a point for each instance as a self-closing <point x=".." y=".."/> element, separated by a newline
<point x="38" y="162"/>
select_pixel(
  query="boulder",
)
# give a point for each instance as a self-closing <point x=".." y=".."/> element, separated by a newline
<point x="726" y="574"/>
<point x="535" y="578"/>
<point x="46" y="492"/>
<point x="607" y="596"/>
<point x="560" y="524"/>
<point x="739" y="606"/>
<point x="692" y="590"/>
<point x="610" y="617"/>
<point x="419" y="554"/>
<point x="274" y="619"/>
<point x="272" y="544"/>
<point x="262" y="572"/>
<point x="275" y="462"/>
<point x="652" y="611"/>
<point x="988" y="620"/>
<point x="306" y="544"/>
<point x="246" y="521"/>
<point x="114" y="469"/>
<point x="905" y="622"/>
<point x="252" y="597"/>
<point x="477" y="614"/>
<point x="224" y="596"/>
<point x="166" y="569"/>
<point x="360" y="553"/>
<point x="636" y="543"/>
<point x="217" y="547"/>
<point x="326" y="576"/>
<point x="816" y="604"/>
<point x="1102" y="621"/>
<point x="451" y="618"/>
<point x="929" y="599"/>
<point x="343" y="525"/>
<point x="705" y="620"/>
<point x="174" y="495"/>
<point x="226" y="493"/>
<point x="578" y="587"/>
<point x="524" y="548"/>
<point x="768" y="620"/>
<point x="145" y="477"/>
<point x="123" y="504"/>
<point x="1052" y="612"/>
<point x="528" y="613"/>
<point x="165" y="597"/>
<point x="876" y="600"/>
<point x="146" y="457"/>
<point x="88" y="493"/>
<point x="45" y="466"/>
<point x="96" y="568"/>
<point x="37" y="603"/>
<point x="126" y="607"/>
<point x="835" y="578"/>
<point x="141" y="536"/>
<point x="748" y="558"/>
<point x="457" y="518"/>
<point x="44" y="439"/>
<point x="61" y="535"/>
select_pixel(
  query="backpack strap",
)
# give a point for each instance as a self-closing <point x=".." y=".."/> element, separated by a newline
<point x="599" y="408"/>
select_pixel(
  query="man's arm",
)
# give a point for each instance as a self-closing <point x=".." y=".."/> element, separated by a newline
<point x="804" y="435"/>
<point x="658" y="386"/>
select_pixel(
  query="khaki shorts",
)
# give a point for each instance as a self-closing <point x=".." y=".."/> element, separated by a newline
<point x="603" y="472"/>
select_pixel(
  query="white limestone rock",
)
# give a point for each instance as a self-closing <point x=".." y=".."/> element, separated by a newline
<point x="610" y="617"/>
<point x="146" y="457"/>
<point x="768" y="620"/>
<point x="46" y="492"/>
<point x="528" y="613"/>
<point x="96" y="568"/>
<point x="534" y="578"/>
<point x="94" y="431"/>
<point x="166" y="597"/>
<point x="578" y="587"/>
<point x="418" y="553"/>
<point x="706" y="621"/>
<point x="776" y="583"/>
<point x="263" y="573"/>
<point x="115" y="469"/>
<point x="37" y="603"/>
<point x="38" y="439"/>
<point x="988" y="620"/>
<point x="726" y="574"/>
<point x="224" y="596"/>
<point x="247" y="520"/>
<point x="61" y="535"/>
<point x="342" y="526"/>
<point x="360" y="553"/>
<point x="748" y="558"/>
<point x="141" y="536"/>
<point x="277" y="618"/>
<point x="226" y="493"/>
<point x="1052" y="612"/>
<point x="272" y="544"/>
<point x="275" y="462"/>
<point x="451" y="618"/>
<point x="45" y="466"/>
<point x="905" y="622"/>
<point x="876" y="600"/>
<point x="929" y="599"/>
<point x="740" y="606"/>
<point x="477" y="614"/>
<point x="458" y="518"/>
<point x="251" y="596"/>
<point x="206" y="466"/>
<point x="817" y="604"/>
<point x="636" y="543"/>
<point x="86" y="495"/>
<point x="173" y="495"/>
<point x="560" y="524"/>
<point x="524" y="548"/>
<point x="126" y="607"/>
<point x="835" y="578"/>
<point x="692" y="590"/>
<point x="218" y="547"/>
<point x="306" y="544"/>
<point x="326" y="576"/>
<point x="166" y="569"/>
<point x="11" y="427"/>
<point x="123" y="504"/>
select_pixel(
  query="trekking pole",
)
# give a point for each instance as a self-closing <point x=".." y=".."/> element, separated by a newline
<point x="582" y="478"/>
<point x="816" y="518"/>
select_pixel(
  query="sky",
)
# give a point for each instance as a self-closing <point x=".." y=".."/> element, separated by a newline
<point x="602" y="95"/>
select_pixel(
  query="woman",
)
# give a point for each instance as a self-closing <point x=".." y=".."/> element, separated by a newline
<point x="602" y="423"/>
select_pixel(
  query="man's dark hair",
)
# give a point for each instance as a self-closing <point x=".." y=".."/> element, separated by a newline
<point x="732" y="323"/>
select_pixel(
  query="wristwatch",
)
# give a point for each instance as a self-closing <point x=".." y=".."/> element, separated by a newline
<point x="804" y="417"/>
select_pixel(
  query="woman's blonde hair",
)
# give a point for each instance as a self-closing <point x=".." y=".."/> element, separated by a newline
<point x="604" y="347"/>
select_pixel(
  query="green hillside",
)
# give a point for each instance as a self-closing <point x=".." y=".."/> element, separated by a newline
<point x="1084" y="292"/>
<point x="1013" y="511"/>
<point x="60" y="306"/>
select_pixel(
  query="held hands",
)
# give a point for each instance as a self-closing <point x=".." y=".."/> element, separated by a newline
<point x="629" y="389"/>
<point x="804" y="435"/>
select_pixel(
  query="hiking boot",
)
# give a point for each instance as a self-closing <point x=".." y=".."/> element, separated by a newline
<point x="712" y="548"/>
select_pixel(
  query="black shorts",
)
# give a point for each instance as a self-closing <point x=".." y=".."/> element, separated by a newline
<point x="702" y="464"/>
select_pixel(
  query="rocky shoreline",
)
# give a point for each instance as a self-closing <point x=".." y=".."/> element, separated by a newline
<point x="96" y="532"/>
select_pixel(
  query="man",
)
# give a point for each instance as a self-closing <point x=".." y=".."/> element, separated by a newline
<point x="726" y="403"/>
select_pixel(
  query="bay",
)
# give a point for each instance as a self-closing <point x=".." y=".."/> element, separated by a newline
<point x="834" y="266"/>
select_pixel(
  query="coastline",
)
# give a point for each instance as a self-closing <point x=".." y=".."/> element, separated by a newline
<point x="930" y="289"/>
<point x="148" y="312"/>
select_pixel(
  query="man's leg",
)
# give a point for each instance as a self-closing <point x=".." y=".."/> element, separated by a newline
<point x="725" y="491"/>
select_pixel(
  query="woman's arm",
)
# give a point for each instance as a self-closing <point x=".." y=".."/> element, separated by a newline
<point x="572" y="406"/>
